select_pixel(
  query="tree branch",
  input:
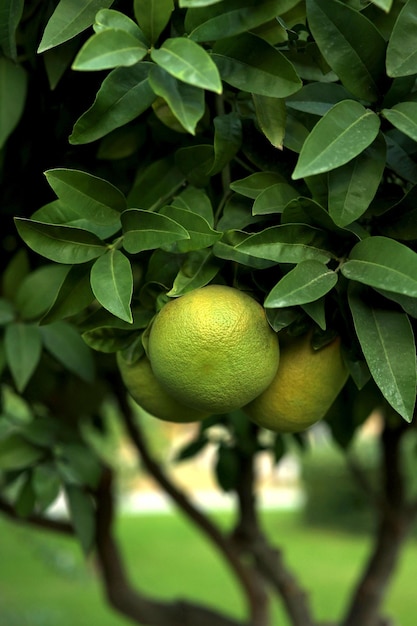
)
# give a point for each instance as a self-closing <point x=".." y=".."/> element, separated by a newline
<point x="38" y="521"/>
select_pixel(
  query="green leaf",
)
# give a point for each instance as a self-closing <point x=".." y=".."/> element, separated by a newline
<point x="201" y="235"/>
<point x="288" y="243"/>
<point x="82" y="515"/>
<point x="83" y="462"/>
<point x="69" y="19"/>
<point x="74" y="295"/>
<point x="26" y="498"/>
<point x="186" y="102"/>
<point x="317" y="98"/>
<point x="227" y="140"/>
<point x="351" y="45"/>
<point x="39" y="289"/>
<point x="197" y="3"/>
<point x="112" y="283"/>
<point x="152" y="16"/>
<point x="7" y="312"/>
<point x="144" y="230"/>
<point x="197" y="201"/>
<point x="108" y="19"/>
<point x="249" y="63"/>
<point x="23" y="348"/>
<point x="124" y="94"/>
<point x="404" y="117"/>
<point x="401" y="51"/>
<point x="385" y="5"/>
<point x="46" y="485"/>
<point x="306" y="282"/>
<point x="271" y="115"/>
<point x="227" y="467"/>
<point x="95" y="203"/>
<point x="387" y="342"/>
<point x="398" y="155"/>
<point x="63" y="341"/>
<point x="383" y="263"/>
<point x="353" y="186"/>
<point x="198" y="269"/>
<point x="10" y="14"/>
<point x="13" y="88"/>
<point x="230" y="18"/>
<point x="155" y="184"/>
<point x="108" y="49"/>
<point x="195" y="163"/>
<point x="14" y="273"/>
<point x="62" y="244"/>
<point x="186" y="60"/>
<point x="317" y="311"/>
<point x="343" y="133"/>
<point x="274" y="199"/>
<point x="16" y="453"/>
<point x="254" y="184"/>
<point x="401" y="221"/>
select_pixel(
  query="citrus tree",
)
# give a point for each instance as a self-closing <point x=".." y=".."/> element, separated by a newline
<point x="151" y="150"/>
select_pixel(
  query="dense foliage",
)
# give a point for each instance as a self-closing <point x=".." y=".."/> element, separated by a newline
<point x="153" y="147"/>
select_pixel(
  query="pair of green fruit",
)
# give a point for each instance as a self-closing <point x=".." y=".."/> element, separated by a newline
<point x="213" y="351"/>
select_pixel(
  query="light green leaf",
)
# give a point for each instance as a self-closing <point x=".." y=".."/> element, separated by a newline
<point x="201" y="235"/>
<point x="306" y="282"/>
<point x="23" y="348"/>
<point x="351" y="45"/>
<point x="69" y="19"/>
<point x="152" y="16"/>
<point x="402" y="51"/>
<point x="288" y="243"/>
<point x="112" y="283"/>
<point x="227" y="140"/>
<point x="383" y="263"/>
<point x="74" y="296"/>
<point x="64" y="342"/>
<point x="39" y="289"/>
<point x="230" y="18"/>
<point x="271" y="114"/>
<point x="387" y="342"/>
<point x="249" y="63"/>
<point x="82" y="515"/>
<point x="227" y="249"/>
<point x="385" y="5"/>
<point x="404" y="117"/>
<point x="108" y="49"/>
<point x="353" y="186"/>
<point x="185" y="101"/>
<point x="62" y="244"/>
<point x="144" y="230"/>
<point x="16" y="453"/>
<point x="189" y="62"/>
<point x="10" y="14"/>
<point x="124" y="94"/>
<point x="197" y="3"/>
<point x="108" y="19"/>
<point x="198" y="269"/>
<point x="254" y="184"/>
<point x="197" y="201"/>
<point x="13" y="87"/>
<point x="94" y="203"/>
<point x="274" y="199"/>
<point x="343" y="133"/>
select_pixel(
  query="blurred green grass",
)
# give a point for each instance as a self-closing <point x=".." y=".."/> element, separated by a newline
<point x="44" y="580"/>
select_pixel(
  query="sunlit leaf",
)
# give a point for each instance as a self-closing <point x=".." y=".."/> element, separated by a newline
<point x="112" y="283"/>
<point x="306" y="282"/>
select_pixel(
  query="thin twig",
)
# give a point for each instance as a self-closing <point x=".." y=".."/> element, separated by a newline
<point x="40" y="521"/>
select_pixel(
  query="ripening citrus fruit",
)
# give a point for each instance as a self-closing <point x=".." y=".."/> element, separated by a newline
<point x="148" y="393"/>
<point x="305" y="386"/>
<point x="213" y="349"/>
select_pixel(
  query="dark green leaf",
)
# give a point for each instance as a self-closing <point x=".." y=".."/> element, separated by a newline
<point x="401" y="221"/>
<point x="387" y="341"/>
<point x="74" y="296"/>
<point x="26" y="498"/>
<point x="197" y="201"/>
<point x="70" y="18"/>
<point x="109" y="48"/>
<point x="39" y="289"/>
<point x="185" y="101"/>
<point x="351" y="44"/>
<point x="17" y="453"/>
<point x="317" y="98"/>
<point x="353" y="186"/>
<point x="189" y="62"/>
<point x="289" y="243"/>
<point x="227" y="140"/>
<point x="201" y="235"/>
<point x="343" y="133"/>
<point x="227" y="467"/>
<point x="198" y="269"/>
<point x="108" y="19"/>
<point x="23" y="347"/>
<point x="155" y="184"/>
<point x="46" y="485"/>
<point x="64" y="342"/>
<point x="112" y="283"/>
<point x="401" y="51"/>
<point x="249" y="63"/>
<point x="271" y="115"/>
<point x="124" y="94"/>
<point x="317" y="311"/>
<point x="383" y="263"/>
<point x="62" y="244"/>
<point x="306" y="282"/>
<point x="195" y="163"/>
<point x="404" y="117"/>
<point x="398" y="155"/>
<point x="7" y="312"/>
<point x="274" y="199"/>
<point x="10" y="14"/>
<point x="144" y="230"/>
<point x="82" y="515"/>
<point x="253" y="185"/>
<point x="84" y="463"/>
<point x="13" y="87"/>
<point x="190" y="450"/>
<point x="152" y="16"/>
